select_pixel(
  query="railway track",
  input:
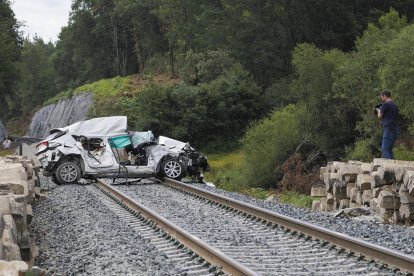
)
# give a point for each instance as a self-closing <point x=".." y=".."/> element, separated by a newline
<point x="246" y="240"/>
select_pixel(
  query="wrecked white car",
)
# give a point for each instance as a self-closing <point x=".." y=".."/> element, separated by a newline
<point x="102" y="147"/>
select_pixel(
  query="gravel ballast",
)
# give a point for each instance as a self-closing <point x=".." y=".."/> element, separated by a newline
<point x="77" y="235"/>
<point x="396" y="237"/>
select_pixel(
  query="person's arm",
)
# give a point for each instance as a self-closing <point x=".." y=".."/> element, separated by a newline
<point x="379" y="114"/>
<point x="382" y="110"/>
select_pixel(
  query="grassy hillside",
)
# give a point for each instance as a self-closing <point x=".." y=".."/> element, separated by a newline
<point x="108" y="92"/>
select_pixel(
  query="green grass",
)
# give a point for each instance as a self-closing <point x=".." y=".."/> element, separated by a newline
<point x="106" y="88"/>
<point x="225" y="173"/>
<point x="4" y="152"/>
<point x="296" y="199"/>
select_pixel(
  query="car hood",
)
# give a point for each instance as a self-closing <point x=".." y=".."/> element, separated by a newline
<point x="101" y="126"/>
<point x="172" y="144"/>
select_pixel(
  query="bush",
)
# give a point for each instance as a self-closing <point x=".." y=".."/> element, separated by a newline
<point x="298" y="175"/>
<point x="401" y="152"/>
<point x="268" y="143"/>
<point x="213" y="115"/>
<point x="363" y="150"/>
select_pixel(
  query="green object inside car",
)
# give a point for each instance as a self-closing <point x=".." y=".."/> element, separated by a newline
<point x="120" y="142"/>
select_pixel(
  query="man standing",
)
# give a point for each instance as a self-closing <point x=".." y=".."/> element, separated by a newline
<point x="388" y="113"/>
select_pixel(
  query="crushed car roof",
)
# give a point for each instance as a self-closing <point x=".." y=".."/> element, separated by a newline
<point x="101" y="126"/>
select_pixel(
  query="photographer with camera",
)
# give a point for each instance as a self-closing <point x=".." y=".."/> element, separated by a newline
<point x="388" y="112"/>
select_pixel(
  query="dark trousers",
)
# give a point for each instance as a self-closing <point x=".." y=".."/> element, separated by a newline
<point x="388" y="141"/>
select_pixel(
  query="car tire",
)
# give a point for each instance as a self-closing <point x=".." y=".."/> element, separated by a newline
<point x="68" y="172"/>
<point x="173" y="169"/>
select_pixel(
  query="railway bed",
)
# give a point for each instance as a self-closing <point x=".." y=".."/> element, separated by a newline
<point x="247" y="239"/>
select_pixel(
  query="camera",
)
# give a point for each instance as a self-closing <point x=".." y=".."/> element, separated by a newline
<point x="376" y="107"/>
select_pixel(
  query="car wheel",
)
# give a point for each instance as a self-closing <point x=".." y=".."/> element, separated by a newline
<point x="172" y="168"/>
<point x="68" y="172"/>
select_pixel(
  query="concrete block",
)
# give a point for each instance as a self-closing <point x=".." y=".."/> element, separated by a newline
<point x="395" y="187"/>
<point x="366" y="197"/>
<point x="377" y="162"/>
<point x="10" y="232"/>
<point x="354" y="193"/>
<point x="9" y="172"/>
<point x="359" y="198"/>
<point x="366" y="168"/>
<point x="396" y="217"/>
<point x="386" y="174"/>
<point x="329" y="207"/>
<point x="339" y="190"/>
<point x="11" y="252"/>
<point x="376" y="180"/>
<point x="407" y="212"/>
<point x="19" y="214"/>
<point x="12" y="268"/>
<point x="375" y="192"/>
<point x="363" y="182"/>
<point x="349" y="186"/>
<point x="349" y="172"/>
<point x="388" y="200"/>
<point x="316" y="205"/>
<point x="29" y="212"/>
<point x="25" y="246"/>
<point x="329" y="198"/>
<point x="5" y="206"/>
<point x="386" y="213"/>
<point x="329" y="180"/>
<point x="318" y="190"/>
<point x="374" y="206"/>
<point x="14" y="186"/>
<point x="344" y="203"/>
<point x="405" y="196"/>
<point x="354" y="205"/>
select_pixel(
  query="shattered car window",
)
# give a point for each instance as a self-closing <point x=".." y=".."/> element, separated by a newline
<point x="138" y="137"/>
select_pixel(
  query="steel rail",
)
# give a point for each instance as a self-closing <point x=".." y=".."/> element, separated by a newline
<point x="379" y="253"/>
<point x="207" y="252"/>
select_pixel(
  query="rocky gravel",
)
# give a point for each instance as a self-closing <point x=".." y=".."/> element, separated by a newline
<point x="77" y="235"/>
<point x="371" y="229"/>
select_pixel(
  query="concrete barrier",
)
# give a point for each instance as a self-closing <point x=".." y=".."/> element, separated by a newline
<point x="18" y="178"/>
<point x="386" y="186"/>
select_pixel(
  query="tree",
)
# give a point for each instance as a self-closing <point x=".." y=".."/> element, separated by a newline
<point x="10" y="46"/>
<point x="37" y="75"/>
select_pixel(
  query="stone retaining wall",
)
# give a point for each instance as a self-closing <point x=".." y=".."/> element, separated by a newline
<point x="386" y="186"/>
<point x="18" y="181"/>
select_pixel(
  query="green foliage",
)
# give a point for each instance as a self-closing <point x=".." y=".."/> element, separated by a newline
<point x="296" y="199"/>
<point x="401" y="152"/>
<point x="10" y="43"/>
<point x="269" y="142"/>
<point x="37" y="76"/>
<point x="212" y="115"/>
<point x="204" y="67"/>
<point x="363" y="150"/>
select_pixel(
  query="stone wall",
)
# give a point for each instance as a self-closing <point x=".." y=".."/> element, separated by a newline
<point x="386" y="186"/>
<point x="18" y="181"/>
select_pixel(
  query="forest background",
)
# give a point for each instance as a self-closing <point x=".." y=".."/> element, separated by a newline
<point x="274" y="88"/>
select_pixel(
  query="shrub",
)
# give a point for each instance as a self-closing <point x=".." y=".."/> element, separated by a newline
<point x="401" y="152"/>
<point x="363" y="150"/>
<point x="268" y="143"/>
<point x="297" y="175"/>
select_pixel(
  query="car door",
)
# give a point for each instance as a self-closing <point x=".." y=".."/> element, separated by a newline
<point x="122" y="148"/>
<point x="96" y="152"/>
